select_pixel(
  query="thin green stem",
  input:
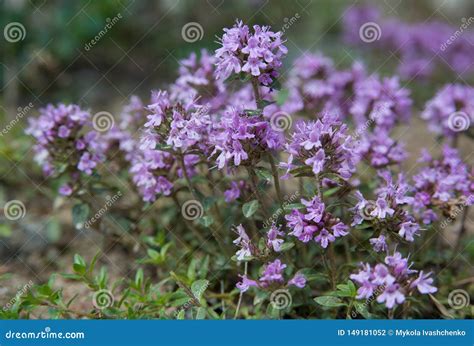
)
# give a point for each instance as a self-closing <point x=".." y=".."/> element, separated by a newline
<point x="276" y="179"/>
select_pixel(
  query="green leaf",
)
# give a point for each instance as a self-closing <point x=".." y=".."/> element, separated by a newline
<point x="180" y="315"/>
<point x="153" y="254"/>
<point x="198" y="287"/>
<point x="352" y="287"/>
<point x="206" y="221"/>
<point x="250" y="208"/>
<point x="329" y="301"/>
<point x="294" y="206"/>
<point x="331" y="191"/>
<point x="282" y="96"/>
<point x="343" y="290"/>
<point x="5" y="231"/>
<point x="201" y="313"/>
<point x="208" y="202"/>
<point x="80" y="214"/>
<point x="263" y="173"/>
<point x="139" y="278"/>
<point x="286" y="246"/>
<point x="53" y="230"/>
<point x="360" y="308"/>
<point x="79" y="260"/>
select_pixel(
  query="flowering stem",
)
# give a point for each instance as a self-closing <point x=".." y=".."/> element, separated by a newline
<point x="318" y="186"/>
<point x="253" y="180"/>
<point x="241" y="294"/>
<point x="462" y="230"/>
<point x="276" y="179"/>
<point x="258" y="98"/>
<point x="193" y="191"/>
<point x="191" y="187"/>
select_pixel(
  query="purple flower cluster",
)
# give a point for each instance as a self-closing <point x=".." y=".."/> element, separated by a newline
<point x="321" y="146"/>
<point x="197" y="79"/>
<point x="378" y="106"/>
<point x="122" y="136"/>
<point x="242" y="139"/>
<point x="235" y="190"/>
<point x="421" y="48"/>
<point x="391" y="281"/>
<point x="182" y="126"/>
<point x="272" y="275"/>
<point x="258" y="53"/>
<point x="173" y="130"/>
<point x="315" y="86"/>
<point x="315" y="223"/>
<point x="381" y="101"/>
<point x="64" y="143"/>
<point x="388" y="214"/>
<point x="451" y="110"/>
<point x="442" y="184"/>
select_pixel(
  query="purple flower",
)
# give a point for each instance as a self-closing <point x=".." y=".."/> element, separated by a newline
<point x="315" y="224"/>
<point x="423" y="283"/>
<point x="324" y="238"/>
<point x="441" y="182"/>
<point x="299" y="280"/>
<point x="364" y="278"/>
<point x="197" y="80"/>
<point x="273" y="272"/>
<point x="318" y="144"/>
<point x="408" y="230"/>
<point x="246" y="283"/>
<point x="451" y="111"/>
<point x="259" y="52"/>
<point x="65" y="190"/>
<point x="86" y="163"/>
<point x="379" y="244"/>
<point x="314" y="209"/>
<point x="240" y="138"/>
<point x="272" y="238"/>
<point x="243" y="241"/>
<point x="391" y="295"/>
<point x="57" y="130"/>
<point x="395" y="278"/>
<point x="382" y="209"/>
<point x="233" y="193"/>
